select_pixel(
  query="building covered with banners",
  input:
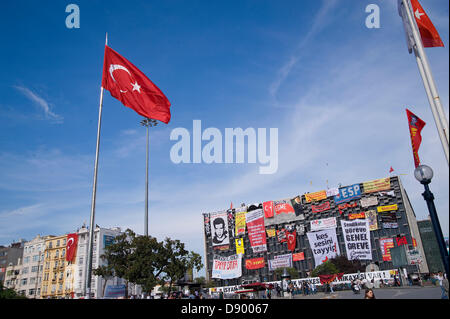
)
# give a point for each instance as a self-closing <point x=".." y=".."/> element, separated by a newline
<point x="360" y="221"/>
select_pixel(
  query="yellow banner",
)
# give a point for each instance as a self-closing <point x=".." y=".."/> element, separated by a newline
<point x="387" y="208"/>
<point x="311" y="197"/>
<point x="240" y="246"/>
<point x="377" y="185"/>
<point x="240" y="223"/>
<point x="270" y="232"/>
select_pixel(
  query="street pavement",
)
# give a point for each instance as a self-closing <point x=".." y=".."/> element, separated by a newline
<point x="414" y="292"/>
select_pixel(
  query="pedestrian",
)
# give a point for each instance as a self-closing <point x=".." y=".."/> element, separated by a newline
<point x="440" y="277"/>
<point x="369" y="294"/>
<point x="445" y="286"/>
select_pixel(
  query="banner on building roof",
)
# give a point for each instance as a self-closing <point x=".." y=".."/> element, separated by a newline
<point x="389" y="225"/>
<point x="324" y="223"/>
<point x="268" y="209"/>
<point x="371" y="216"/>
<point x="207" y="225"/>
<point x="256" y="230"/>
<point x="240" y="223"/>
<point x="283" y="206"/>
<point x="357" y="239"/>
<point x="324" y="245"/>
<point x="280" y="261"/>
<point x="316" y="196"/>
<point x="387" y="208"/>
<point x="271" y="232"/>
<point x="346" y="205"/>
<point x="219" y="229"/>
<point x="231" y="223"/>
<point x="227" y="267"/>
<point x="369" y="201"/>
<point x="321" y="207"/>
<point x="377" y="185"/>
<point x="255" y="263"/>
<point x="347" y="194"/>
<point x="291" y="239"/>
<point x="332" y="192"/>
<point x="296" y="203"/>
<point x="385" y="245"/>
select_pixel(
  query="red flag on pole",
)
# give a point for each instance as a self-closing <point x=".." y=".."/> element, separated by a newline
<point x="428" y="33"/>
<point x="415" y="127"/>
<point x="130" y="86"/>
<point x="391" y="170"/>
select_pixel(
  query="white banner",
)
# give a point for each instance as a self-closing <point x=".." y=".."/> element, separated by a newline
<point x="219" y="229"/>
<point x="280" y="261"/>
<point x="323" y="223"/>
<point x="357" y="239"/>
<point x="324" y="245"/>
<point x="227" y="267"/>
<point x="332" y="191"/>
<point x="369" y="201"/>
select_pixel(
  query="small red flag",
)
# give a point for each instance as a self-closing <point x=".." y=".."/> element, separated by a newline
<point x="130" y="86"/>
<point x="391" y="170"/>
<point x="415" y="127"/>
<point x="428" y="33"/>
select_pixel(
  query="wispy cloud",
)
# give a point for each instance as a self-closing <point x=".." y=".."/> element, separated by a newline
<point x="43" y="104"/>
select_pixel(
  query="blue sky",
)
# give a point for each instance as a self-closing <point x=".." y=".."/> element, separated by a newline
<point x="336" y="91"/>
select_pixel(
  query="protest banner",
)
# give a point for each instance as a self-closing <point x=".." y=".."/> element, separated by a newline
<point x="357" y="239"/>
<point x="324" y="245"/>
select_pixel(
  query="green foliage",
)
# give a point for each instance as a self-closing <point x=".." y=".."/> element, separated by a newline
<point x="144" y="261"/>
<point x="291" y="271"/>
<point x="7" y="293"/>
<point x="326" y="268"/>
<point x="347" y="266"/>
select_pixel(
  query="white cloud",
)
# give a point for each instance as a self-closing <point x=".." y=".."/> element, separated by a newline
<point x="43" y="104"/>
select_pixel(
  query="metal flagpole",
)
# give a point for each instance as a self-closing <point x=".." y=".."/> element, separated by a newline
<point x="433" y="110"/>
<point x="94" y="193"/>
<point x="433" y="96"/>
<point x="148" y="123"/>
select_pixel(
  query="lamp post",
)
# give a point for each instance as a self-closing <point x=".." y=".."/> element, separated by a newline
<point x="147" y="123"/>
<point x="424" y="174"/>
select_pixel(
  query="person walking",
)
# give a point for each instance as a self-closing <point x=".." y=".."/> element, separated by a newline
<point x="369" y="294"/>
<point x="441" y="278"/>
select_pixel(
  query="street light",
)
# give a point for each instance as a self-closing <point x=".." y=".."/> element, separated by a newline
<point x="424" y="174"/>
<point x="147" y="123"/>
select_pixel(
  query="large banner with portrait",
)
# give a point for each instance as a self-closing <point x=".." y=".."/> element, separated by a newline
<point x="227" y="267"/>
<point x="219" y="229"/>
<point x="357" y="239"/>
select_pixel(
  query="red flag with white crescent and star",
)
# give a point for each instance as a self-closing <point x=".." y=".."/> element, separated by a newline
<point x="133" y="88"/>
<point x="428" y="33"/>
<point x="71" y="246"/>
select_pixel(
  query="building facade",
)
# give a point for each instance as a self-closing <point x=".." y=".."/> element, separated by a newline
<point x="9" y="256"/>
<point x="430" y="246"/>
<point x="394" y="222"/>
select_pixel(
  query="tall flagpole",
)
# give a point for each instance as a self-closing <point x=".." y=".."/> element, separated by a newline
<point x="427" y="77"/>
<point x="94" y="193"/>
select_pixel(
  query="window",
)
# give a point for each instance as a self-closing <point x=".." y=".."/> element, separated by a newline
<point x="34" y="268"/>
<point x="26" y="260"/>
<point x="25" y="270"/>
<point x="57" y="243"/>
<point x="57" y="254"/>
<point x="35" y="258"/>
<point x="64" y="242"/>
<point x="23" y="282"/>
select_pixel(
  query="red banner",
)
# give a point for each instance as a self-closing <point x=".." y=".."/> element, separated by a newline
<point x="255" y="263"/>
<point x="428" y="33"/>
<point x="344" y="206"/>
<point x="415" y="127"/>
<point x="401" y="241"/>
<point x="71" y="246"/>
<point x="326" y="279"/>
<point x="283" y="207"/>
<point x="320" y="208"/>
<point x="298" y="256"/>
<point x="268" y="209"/>
<point x="356" y="215"/>
<point x="256" y="230"/>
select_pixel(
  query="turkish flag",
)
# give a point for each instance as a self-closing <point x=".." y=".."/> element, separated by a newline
<point x="130" y="86"/>
<point x="268" y="209"/>
<point x="71" y="246"/>
<point x="415" y="127"/>
<point x="291" y="240"/>
<point x="430" y="36"/>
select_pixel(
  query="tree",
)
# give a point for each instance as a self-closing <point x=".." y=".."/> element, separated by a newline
<point x="118" y="256"/>
<point x="179" y="261"/>
<point x="106" y="272"/>
<point x="8" y="293"/>
<point x="290" y="270"/>
<point x="326" y="268"/>
<point x="347" y="266"/>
